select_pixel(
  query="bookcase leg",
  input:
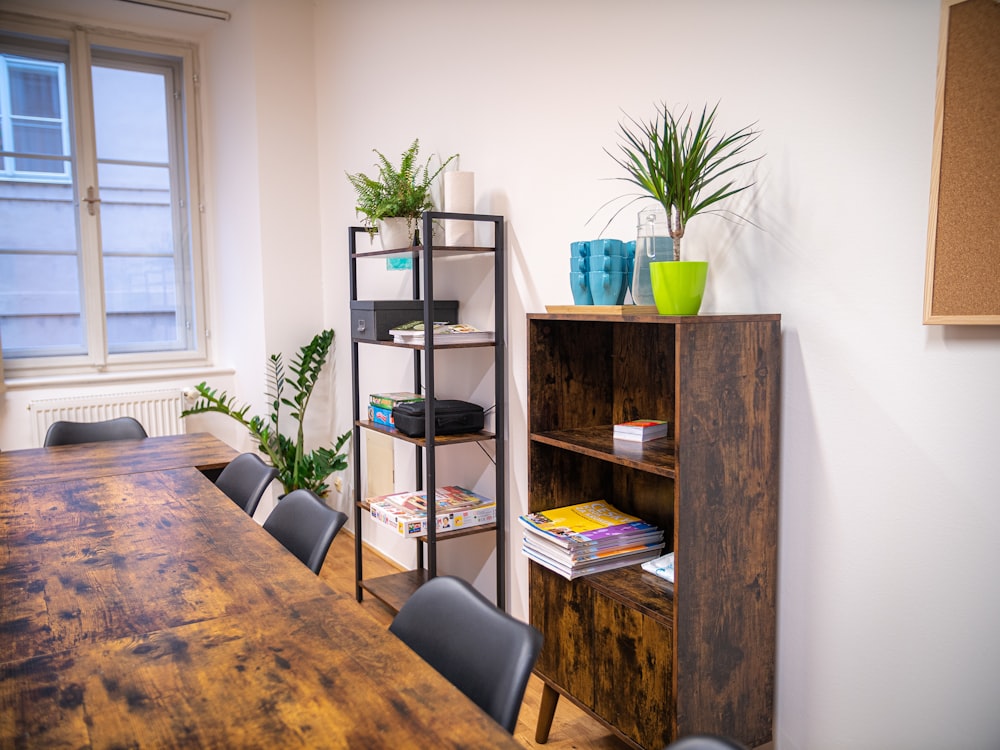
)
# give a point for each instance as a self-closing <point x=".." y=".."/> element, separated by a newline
<point x="546" y="712"/>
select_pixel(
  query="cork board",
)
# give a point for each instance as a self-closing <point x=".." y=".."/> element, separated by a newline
<point x="962" y="283"/>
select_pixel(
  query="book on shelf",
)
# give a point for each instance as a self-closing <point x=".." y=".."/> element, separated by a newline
<point x="586" y="523"/>
<point x="442" y="333"/>
<point x="456" y="508"/>
<point x="380" y="415"/>
<point x="662" y="566"/>
<point x="389" y="400"/>
<point x="641" y="430"/>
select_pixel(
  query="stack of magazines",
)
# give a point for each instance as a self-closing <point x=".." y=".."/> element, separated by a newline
<point x="443" y="333"/>
<point x="577" y="540"/>
<point x="457" y="508"/>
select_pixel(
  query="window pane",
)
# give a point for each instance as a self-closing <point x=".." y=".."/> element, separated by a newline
<point x="34" y="91"/>
<point x="130" y="111"/>
<point x="143" y="259"/>
<point x="41" y="302"/>
<point x="38" y="138"/>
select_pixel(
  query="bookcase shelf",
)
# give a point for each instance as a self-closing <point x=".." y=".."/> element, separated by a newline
<point x="394" y="590"/>
<point x="662" y="660"/>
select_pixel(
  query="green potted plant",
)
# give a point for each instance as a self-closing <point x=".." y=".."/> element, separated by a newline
<point x="297" y="467"/>
<point x="687" y="169"/>
<point x="400" y="193"/>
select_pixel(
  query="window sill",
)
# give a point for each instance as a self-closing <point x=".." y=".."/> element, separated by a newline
<point x="193" y="374"/>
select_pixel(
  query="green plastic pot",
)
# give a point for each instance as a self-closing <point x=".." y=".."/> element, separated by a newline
<point x="678" y="285"/>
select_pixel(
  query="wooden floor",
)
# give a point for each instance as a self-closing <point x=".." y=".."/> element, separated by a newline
<point x="572" y="729"/>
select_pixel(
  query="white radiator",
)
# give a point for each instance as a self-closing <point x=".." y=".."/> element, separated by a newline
<point x="158" y="411"/>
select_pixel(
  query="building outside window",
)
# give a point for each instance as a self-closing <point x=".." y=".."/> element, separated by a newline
<point x="99" y="223"/>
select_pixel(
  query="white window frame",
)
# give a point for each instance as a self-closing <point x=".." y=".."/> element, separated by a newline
<point x="98" y="361"/>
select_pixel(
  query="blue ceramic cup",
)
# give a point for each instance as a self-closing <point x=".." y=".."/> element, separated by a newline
<point x="607" y="287"/>
<point x="579" y="249"/>
<point x="580" y="284"/>
<point x="579" y="263"/>
<point x="609" y="263"/>
<point x="607" y="247"/>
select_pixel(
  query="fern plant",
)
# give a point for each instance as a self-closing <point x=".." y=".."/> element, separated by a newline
<point x="403" y="191"/>
<point x="297" y="468"/>
<point x="678" y="162"/>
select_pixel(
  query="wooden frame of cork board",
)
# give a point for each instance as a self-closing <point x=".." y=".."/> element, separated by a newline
<point x="962" y="283"/>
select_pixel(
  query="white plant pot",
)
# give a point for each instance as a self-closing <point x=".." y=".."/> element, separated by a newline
<point x="396" y="233"/>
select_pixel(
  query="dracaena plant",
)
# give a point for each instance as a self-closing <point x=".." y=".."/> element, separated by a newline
<point x="297" y="467"/>
<point x="403" y="191"/>
<point x="682" y="164"/>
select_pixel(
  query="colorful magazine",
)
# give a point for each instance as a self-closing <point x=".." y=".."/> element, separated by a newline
<point x="457" y="508"/>
<point x="585" y="523"/>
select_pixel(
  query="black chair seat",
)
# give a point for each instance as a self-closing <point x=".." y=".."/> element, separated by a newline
<point x="71" y="433"/>
<point x="305" y="526"/>
<point x="482" y="650"/>
<point x="245" y="479"/>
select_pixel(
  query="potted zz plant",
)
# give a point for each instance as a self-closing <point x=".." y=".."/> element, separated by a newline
<point x="392" y="203"/>
<point x="686" y="168"/>
<point x="297" y="467"/>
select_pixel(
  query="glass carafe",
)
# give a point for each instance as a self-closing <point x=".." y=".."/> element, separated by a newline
<point x="652" y="243"/>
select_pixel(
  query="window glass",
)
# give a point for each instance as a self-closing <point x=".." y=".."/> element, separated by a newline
<point x="97" y="243"/>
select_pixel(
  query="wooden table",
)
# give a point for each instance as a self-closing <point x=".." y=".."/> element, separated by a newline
<point x="139" y="607"/>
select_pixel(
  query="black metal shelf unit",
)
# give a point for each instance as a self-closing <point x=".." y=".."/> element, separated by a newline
<point x="394" y="589"/>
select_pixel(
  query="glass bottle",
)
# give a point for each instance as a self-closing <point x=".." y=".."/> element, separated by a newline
<point x="653" y="243"/>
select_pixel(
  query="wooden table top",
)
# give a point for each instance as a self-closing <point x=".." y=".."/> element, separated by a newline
<point x="145" y="609"/>
<point x="37" y="465"/>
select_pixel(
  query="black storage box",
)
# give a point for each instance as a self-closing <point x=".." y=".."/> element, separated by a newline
<point x="450" y="417"/>
<point x="372" y="319"/>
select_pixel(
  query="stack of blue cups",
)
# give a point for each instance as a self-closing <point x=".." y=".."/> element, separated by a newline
<point x="579" y="273"/>
<point x="599" y="272"/>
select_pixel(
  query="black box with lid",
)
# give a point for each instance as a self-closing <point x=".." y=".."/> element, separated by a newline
<point x="372" y="319"/>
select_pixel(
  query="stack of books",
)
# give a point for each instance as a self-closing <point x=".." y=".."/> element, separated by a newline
<point x="443" y="333"/>
<point x="380" y="405"/>
<point x="457" y="508"/>
<point x="641" y="430"/>
<point x="577" y="540"/>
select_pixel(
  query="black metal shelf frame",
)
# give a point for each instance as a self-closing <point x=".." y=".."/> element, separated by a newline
<point x="423" y="381"/>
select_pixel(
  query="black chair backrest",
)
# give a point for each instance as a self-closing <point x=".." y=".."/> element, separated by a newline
<point x="306" y="526"/>
<point x="244" y="480"/>
<point x="705" y="742"/>
<point x="482" y="650"/>
<point x="71" y="433"/>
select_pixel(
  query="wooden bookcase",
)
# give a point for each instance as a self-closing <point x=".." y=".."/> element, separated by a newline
<point x="655" y="661"/>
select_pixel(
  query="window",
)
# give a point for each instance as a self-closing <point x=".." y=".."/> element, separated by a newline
<point x="99" y="245"/>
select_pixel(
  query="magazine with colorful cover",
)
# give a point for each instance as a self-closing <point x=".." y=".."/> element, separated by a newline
<point x="389" y="400"/>
<point x="580" y="555"/>
<point x="413" y="333"/>
<point x="456" y="508"/>
<point x="597" y="566"/>
<point x="584" y="523"/>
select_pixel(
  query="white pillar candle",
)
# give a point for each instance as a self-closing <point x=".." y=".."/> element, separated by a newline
<point x="459" y="197"/>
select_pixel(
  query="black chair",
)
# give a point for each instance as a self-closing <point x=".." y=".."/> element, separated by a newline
<point x="71" y="433"/>
<point x="705" y="742"/>
<point x="480" y="649"/>
<point x="305" y="526"/>
<point x="244" y="480"/>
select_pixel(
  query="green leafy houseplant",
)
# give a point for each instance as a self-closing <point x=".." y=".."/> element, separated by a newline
<point x="403" y="191"/>
<point x="297" y="468"/>
<point x="683" y="165"/>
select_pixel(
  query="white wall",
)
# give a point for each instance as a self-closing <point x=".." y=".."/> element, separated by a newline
<point x="888" y="518"/>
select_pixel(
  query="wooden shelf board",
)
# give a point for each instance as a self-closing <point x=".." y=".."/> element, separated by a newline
<point x="655" y="456"/>
<point x="393" y="590"/>
<point x="465" y="345"/>
<point x="467" y="437"/>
